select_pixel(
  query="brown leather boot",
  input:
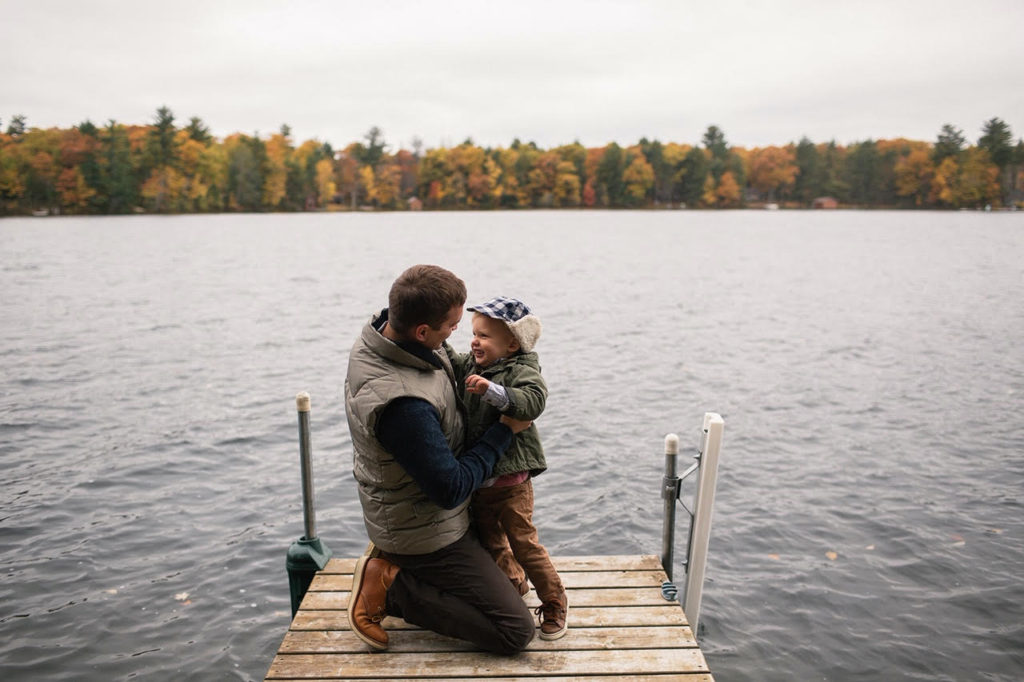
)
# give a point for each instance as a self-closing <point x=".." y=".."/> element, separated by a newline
<point x="554" y="617"/>
<point x="370" y="583"/>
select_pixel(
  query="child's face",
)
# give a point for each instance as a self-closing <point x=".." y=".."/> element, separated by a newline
<point x="492" y="340"/>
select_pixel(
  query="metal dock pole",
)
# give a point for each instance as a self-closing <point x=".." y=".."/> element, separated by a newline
<point x="700" y="531"/>
<point x="308" y="554"/>
<point x="669" y="493"/>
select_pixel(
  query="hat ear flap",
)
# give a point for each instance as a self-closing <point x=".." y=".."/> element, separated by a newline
<point x="527" y="331"/>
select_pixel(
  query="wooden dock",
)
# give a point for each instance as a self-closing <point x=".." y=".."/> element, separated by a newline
<point x="620" y="627"/>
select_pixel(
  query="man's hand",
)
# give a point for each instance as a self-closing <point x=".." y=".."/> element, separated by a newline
<point x="516" y="425"/>
<point x="477" y="384"/>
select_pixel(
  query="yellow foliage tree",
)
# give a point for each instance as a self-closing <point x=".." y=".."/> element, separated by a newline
<point x="326" y="188"/>
<point x="978" y="182"/>
<point x="275" y="178"/>
<point x="709" y="197"/>
<point x="567" y="184"/>
<point x="727" y="192"/>
<point x="771" y="170"/>
<point x="639" y="178"/>
<point x="913" y="175"/>
<point x="387" y="184"/>
<point x="943" y="190"/>
<point x="165" y="190"/>
<point x="72" y="189"/>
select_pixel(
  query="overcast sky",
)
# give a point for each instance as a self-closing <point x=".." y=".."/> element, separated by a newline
<point x="766" y="72"/>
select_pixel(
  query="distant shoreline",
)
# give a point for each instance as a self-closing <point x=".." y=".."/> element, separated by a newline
<point x="161" y="168"/>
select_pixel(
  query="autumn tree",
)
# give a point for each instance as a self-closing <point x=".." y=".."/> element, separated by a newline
<point x="673" y="156"/>
<point x="639" y="181"/>
<point x="914" y="174"/>
<point x="772" y="170"/>
<point x="727" y="191"/>
<point x="978" y="182"/>
<point x="275" y="179"/>
<point x="435" y="169"/>
<point x="721" y="159"/>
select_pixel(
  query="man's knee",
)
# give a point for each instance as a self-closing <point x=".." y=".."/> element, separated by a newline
<point x="517" y="635"/>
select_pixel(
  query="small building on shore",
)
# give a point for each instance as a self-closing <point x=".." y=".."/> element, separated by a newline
<point x="415" y="204"/>
<point x="825" y="202"/>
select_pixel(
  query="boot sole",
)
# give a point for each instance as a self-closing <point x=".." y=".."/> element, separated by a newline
<point x="357" y="582"/>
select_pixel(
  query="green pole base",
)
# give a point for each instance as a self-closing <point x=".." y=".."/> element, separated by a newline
<point x="305" y="558"/>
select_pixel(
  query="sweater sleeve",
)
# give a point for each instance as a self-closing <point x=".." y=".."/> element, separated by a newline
<point x="410" y="429"/>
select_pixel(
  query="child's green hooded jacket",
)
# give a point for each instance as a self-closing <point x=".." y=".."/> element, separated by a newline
<point x="520" y="375"/>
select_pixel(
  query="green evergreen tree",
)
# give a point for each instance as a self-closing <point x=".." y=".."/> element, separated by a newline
<point x="654" y="152"/>
<point x="610" y="186"/>
<point x="118" y="182"/>
<point x="833" y="184"/>
<point x="17" y="126"/>
<point x="949" y="143"/>
<point x="90" y="165"/>
<point x="810" y="178"/>
<point x="161" y="146"/>
<point x="695" y="174"/>
<point x="245" y="173"/>
<point x="997" y="140"/>
<point x="198" y="131"/>
<point x="714" y="142"/>
<point x="862" y="173"/>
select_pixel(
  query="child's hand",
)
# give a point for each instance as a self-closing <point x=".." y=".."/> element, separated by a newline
<point x="476" y="384"/>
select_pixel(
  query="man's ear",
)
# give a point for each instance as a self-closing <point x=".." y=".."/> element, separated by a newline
<point x="420" y="333"/>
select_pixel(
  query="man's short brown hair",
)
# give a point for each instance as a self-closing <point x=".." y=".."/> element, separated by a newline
<point x="423" y="294"/>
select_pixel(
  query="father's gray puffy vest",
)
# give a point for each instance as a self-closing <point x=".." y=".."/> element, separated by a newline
<point x="399" y="518"/>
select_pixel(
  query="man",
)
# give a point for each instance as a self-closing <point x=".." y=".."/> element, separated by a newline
<point x="416" y="475"/>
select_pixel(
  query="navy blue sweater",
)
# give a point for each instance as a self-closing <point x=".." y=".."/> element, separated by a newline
<point x="410" y="429"/>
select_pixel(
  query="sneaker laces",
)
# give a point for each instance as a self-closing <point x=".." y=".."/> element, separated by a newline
<point x="549" y="611"/>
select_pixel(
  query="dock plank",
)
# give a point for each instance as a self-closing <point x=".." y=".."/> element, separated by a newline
<point x="672" y="677"/>
<point x="631" y="616"/>
<point x="459" y="664"/>
<point x="626" y="596"/>
<point x="344" y="641"/>
<point x="620" y="628"/>
<point x="626" y="562"/>
<point x="570" y="579"/>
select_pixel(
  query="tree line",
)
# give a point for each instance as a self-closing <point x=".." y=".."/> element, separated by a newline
<point x="162" y="167"/>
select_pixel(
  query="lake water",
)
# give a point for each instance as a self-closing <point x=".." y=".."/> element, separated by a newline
<point x="869" y="367"/>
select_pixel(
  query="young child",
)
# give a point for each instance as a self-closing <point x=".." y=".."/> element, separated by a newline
<point x="502" y="376"/>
